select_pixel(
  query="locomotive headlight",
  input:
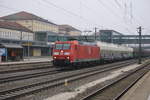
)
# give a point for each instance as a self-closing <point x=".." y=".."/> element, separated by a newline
<point x="67" y="53"/>
<point x="56" y="53"/>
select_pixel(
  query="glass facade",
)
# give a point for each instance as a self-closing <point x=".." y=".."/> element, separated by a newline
<point x="109" y="36"/>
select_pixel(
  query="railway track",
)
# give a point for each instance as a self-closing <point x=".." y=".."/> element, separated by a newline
<point x="117" y="88"/>
<point x="27" y="63"/>
<point x="11" y="68"/>
<point x="10" y="94"/>
<point x="11" y="77"/>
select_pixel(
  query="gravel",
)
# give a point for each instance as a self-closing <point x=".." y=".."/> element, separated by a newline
<point x="113" y="91"/>
<point x="71" y="87"/>
<point x="54" y="90"/>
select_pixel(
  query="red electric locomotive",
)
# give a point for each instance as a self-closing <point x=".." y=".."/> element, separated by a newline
<point x="74" y="52"/>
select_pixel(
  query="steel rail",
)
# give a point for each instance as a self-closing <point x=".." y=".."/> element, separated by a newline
<point x="115" y="82"/>
<point x="27" y="76"/>
<point x="25" y="68"/>
<point x="27" y="63"/>
<point x="28" y="89"/>
<point x="132" y="84"/>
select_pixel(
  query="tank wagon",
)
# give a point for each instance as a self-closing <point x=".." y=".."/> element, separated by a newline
<point x="144" y="53"/>
<point x="77" y="53"/>
<point x="112" y="52"/>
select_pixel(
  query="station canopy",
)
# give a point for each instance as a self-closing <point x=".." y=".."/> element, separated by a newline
<point x="11" y="46"/>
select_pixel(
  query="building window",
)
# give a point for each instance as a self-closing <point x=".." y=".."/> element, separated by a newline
<point x="7" y="34"/>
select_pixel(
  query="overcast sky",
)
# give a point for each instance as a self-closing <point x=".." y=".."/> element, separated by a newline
<point x="121" y="15"/>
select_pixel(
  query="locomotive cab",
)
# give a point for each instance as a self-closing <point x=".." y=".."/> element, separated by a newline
<point x="62" y="53"/>
<point x="74" y="53"/>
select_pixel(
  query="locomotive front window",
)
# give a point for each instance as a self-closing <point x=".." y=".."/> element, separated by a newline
<point x="66" y="46"/>
<point x="59" y="46"/>
<point x="62" y="46"/>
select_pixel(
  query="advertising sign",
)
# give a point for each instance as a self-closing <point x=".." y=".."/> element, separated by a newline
<point x="2" y="52"/>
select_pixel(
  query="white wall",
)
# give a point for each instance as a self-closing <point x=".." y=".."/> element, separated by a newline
<point x="15" y="34"/>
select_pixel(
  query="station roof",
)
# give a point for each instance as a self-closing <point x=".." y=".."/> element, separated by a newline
<point x="24" y="16"/>
<point x="11" y="45"/>
<point x="13" y="26"/>
<point x="118" y="33"/>
<point x="65" y="27"/>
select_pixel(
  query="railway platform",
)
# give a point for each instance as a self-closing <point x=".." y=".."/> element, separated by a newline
<point x="29" y="60"/>
<point x="140" y="91"/>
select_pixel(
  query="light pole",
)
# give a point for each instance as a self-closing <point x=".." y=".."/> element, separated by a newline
<point x="21" y="38"/>
<point x="86" y="33"/>
<point x="95" y="32"/>
<point x="28" y="42"/>
<point x="28" y="48"/>
<point x="140" y="48"/>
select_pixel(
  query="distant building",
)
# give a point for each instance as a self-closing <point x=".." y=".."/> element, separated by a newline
<point x="19" y="40"/>
<point x="69" y="30"/>
<point x="32" y="22"/>
<point x="108" y="35"/>
<point x="13" y="30"/>
<point x="31" y="45"/>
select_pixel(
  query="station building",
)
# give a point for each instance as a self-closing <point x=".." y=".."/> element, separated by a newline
<point x="32" y="22"/>
<point x="44" y="33"/>
<point x="69" y="30"/>
<point x="12" y="31"/>
<point x="35" y="24"/>
<point x="109" y="35"/>
<point x="66" y="32"/>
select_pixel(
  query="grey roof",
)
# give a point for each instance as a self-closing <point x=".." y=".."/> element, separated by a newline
<point x="13" y="26"/>
<point x="111" y="31"/>
<point x="25" y="16"/>
<point x="67" y="27"/>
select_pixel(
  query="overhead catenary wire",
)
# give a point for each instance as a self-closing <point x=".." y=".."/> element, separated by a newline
<point x="10" y="8"/>
<point x="65" y="11"/>
<point x="86" y="20"/>
<point x="62" y="9"/>
<point x="112" y="12"/>
<point x="92" y="11"/>
<point x="133" y="19"/>
<point x="128" y="5"/>
<point x="70" y="12"/>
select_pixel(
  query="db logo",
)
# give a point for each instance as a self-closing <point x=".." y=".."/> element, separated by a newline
<point x="61" y="53"/>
